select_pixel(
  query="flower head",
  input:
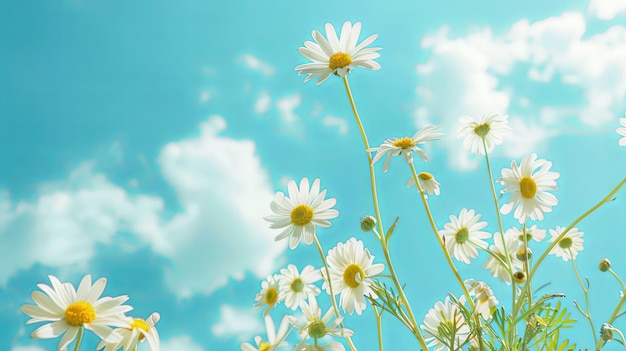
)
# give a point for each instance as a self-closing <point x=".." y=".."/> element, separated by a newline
<point x="532" y="233"/>
<point x="269" y="296"/>
<point x="445" y="318"/>
<point x="484" y="297"/>
<point x="462" y="235"/>
<point x="69" y="310"/>
<point x="295" y="287"/>
<point x="274" y="339"/>
<point x="496" y="266"/>
<point x="317" y="326"/>
<point x="350" y="266"/>
<point x="428" y="182"/>
<point x="137" y="330"/>
<point x="569" y="245"/>
<point x="529" y="184"/>
<point x="405" y="146"/>
<point x="301" y="212"/>
<point x="622" y="132"/>
<point x="337" y="56"/>
<point x="490" y="128"/>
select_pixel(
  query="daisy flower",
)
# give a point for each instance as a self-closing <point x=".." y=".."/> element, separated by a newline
<point x="295" y="287"/>
<point x="495" y="266"/>
<point x="428" y="182"/>
<point x="446" y="317"/>
<point x="301" y="212"/>
<point x="462" y="235"/>
<point x="532" y="233"/>
<point x="529" y="184"/>
<point x="485" y="299"/>
<point x="317" y="326"/>
<point x="622" y="132"/>
<point x="405" y="146"/>
<point x="136" y="330"/>
<point x="70" y="310"/>
<point x="490" y="128"/>
<point x="350" y="267"/>
<point x="269" y="295"/>
<point x="337" y="55"/>
<point x="274" y="339"/>
<point x="569" y="245"/>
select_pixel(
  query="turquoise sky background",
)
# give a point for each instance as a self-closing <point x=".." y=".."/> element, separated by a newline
<point x="142" y="141"/>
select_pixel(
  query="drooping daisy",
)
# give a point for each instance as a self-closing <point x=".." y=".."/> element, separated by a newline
<point x="295" y="287"/>
<point x="269" y="295"/>
<point x="447" y="317"/>
<point x="569" y="245"/>
<point x="315" y="326"/>
<point x="532" y="233"/>
<point x="622" y="132"/>
<point x="70" y="310"/>
<point x="301" y="212"/>
<point x="484" y="297"/>
<point x="490" y="128"/>
<point x="463" y="235"/>
<point x="529" y="184"/>
<point x="137" y="330"/>
<point x="350" y="266"/>
<point x="337" y="55"/>
<point x="274" y="339"/>
<point x="495" y="266"/>
<point x="405" y="146"/>
<point x="429" y="184"/>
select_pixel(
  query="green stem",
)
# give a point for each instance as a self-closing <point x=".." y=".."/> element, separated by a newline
<point x="330" y="287"/>
<point x="618" y="308"/>
<point x="79" y="339"/>
<point x="587" y="313"/>
<point x="379" y="328"/>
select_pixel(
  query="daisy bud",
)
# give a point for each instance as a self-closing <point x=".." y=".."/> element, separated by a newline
<point x="519" y="277"/>
<point x="368" y="223"/>
<point x="605" y="264"/>
<point x="524" y="255"/>
<point x="606" y="332"/>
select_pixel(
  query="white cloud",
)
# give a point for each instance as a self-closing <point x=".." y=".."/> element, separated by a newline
<point x="525" y="138"/>
<point x="286" y="107"/>
<point x="340" y="123"/>
<point x="27" y="348"/>
<point x="180" y="343"/>
<point x="205" y="96"/>
<point x="256" y="64"/>
<point x="237" y="322"/>
<point x="263" y="103"/>
<point x="606" y="9"/>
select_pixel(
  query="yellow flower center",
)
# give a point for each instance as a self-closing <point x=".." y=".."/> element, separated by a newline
<point x="462" y="235"/>
<point x="271" y="295"/>
<point x="297" y="285"/>
<point x="482" y="130"/>
<point x="139" y="323"/>
<point x="404" y="143"/>
<point x="301" y="215"/>
<point x="79" y="313"/>
<point x="263" y="346"/>
<point x="339" y="60"/>
<point x="353" y="275"/>
<point x="565" y="243"/>
<point x="425" y="176"/>
<point x="519" y="277"/>
<point x="527" y="187"/>
<point x="317" y="329"/>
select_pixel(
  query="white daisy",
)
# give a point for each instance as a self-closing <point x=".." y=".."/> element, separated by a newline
<point x="445" y="317"/>
<point x="405" y="146"/>
<point x="532" y="233"/>
<point x="569" y="245"/>
<point x="484" y="297"/>
<point x="462" y="235"/>
<point x="274" y="339"/>
<point x="430" y="185"/>
<point x="301" y="212"/>
<point x="295" y="287"/>
<point x="529" y="184"/>
<point x="315" y="326"/>
<point x="136" y="330"/>
<point x="332" y="346"/>
<point x="495" y="266"/>
<point x="337" y="55"/>
<point x="269" y="295"/>
<point x="70" y="310"/>
<point x="491" y="128"/>
<point x="350" y="267"/>
<point x="622" y="132"/>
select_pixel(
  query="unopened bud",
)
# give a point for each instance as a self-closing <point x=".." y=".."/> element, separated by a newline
<point x="368" y="223"/>
<point x="606" y="332"/>
<point x="519" y="277"/>
<point x="605" y="264"/>
<point x="524" y="255"/>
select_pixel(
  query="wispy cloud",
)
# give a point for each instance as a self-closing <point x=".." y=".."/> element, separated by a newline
<point x="180" y="343"/>
<point x="286" y="106"/>
<point x="236" y="322"/>
<point x="256" y="64"/>
<point x="263" y="103"/>
<point x="340" y="123"/>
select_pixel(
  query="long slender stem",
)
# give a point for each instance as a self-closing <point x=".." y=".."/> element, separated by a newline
<point x="78" y="339"/>
<point x="618" y="308"/>
<point x="587" y="313"/>
<point x="330" y="287"/>
<point x="379" y="328"/>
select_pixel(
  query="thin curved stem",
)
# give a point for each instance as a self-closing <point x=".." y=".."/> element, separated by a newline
<point x="379" y="328"/>
<point x="587" y="313"/>
<point x="78" y="339"/>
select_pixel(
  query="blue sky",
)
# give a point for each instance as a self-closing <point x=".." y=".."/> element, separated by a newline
<point x="142" y="141"/>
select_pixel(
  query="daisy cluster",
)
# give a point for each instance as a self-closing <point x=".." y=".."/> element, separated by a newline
<point x="475" y="319"/>
<point x="68" y="311"/>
